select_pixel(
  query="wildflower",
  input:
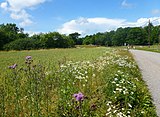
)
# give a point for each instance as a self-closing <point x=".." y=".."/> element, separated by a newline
<point x="115" y="79"/>
<point x="129" y="105"/>
<point x="109" y="102"/>
<point x="93" y="75"/>
<point x="28" y="57"/>
<point x="124" y="92"/>
<point x="79" y="96"/>
<point x="13" y="66"/>
<point x="108" y="113"/>
<point x="114" y="111"/>
<point x="117" y="84"/>
<point x="28" y="60"/>
<point x="114" y="91"/>
<point x="49" y="72"/>
<point x="109" y="109"/>
<point x="128" y="112"/>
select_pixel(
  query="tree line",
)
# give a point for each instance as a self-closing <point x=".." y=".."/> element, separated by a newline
<point x="14" y="38"/>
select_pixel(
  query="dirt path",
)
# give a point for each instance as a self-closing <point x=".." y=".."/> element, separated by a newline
<point x="149" y="63"/>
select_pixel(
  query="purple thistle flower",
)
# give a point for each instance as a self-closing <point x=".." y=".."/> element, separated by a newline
<point x="28" y="57"/>
<point x="13" y="66"/>
<point x="79" y="96"/>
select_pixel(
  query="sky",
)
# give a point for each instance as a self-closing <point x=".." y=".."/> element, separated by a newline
<point x="83" y="16"/>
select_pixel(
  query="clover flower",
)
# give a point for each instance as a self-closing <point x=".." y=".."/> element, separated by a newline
<point x="28" y="57"/>
<point x="79" y="96"/>
<point x="28" y="60"/>
<point x="13" y="66"/>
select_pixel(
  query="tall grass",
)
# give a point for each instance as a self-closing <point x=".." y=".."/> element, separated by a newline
<point x="108" y="85"/>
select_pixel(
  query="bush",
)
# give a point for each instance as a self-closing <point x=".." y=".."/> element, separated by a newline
<point x="20" y="44"/>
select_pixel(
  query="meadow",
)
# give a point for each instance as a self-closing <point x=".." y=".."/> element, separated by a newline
<point x="79" y="82"/>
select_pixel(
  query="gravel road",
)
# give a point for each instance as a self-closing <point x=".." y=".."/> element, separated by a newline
<point x="149" y="63"/>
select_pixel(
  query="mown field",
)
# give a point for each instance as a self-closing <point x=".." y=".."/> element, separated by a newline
<point x="152" y="48"/>
<point x="79" y="82"/>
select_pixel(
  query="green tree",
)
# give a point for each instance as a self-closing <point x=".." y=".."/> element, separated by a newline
<point x="20" y="44"/>
<point x="155" y="35"/>
<point x="75" y="38"/>
<point x="136" y="36"/>
<point x="108" y="38"/>
<point x="88" y="40"/>
<point x="2" y="39"/>
<point x="10" y="32"/>
<point x="119" y="37"/>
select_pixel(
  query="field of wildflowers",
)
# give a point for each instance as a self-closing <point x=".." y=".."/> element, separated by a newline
<point x="108" y="84"/>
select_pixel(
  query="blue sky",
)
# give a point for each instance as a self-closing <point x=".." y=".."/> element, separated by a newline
<point x="83" y="16"/>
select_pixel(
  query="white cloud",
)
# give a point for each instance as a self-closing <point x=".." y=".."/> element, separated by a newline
<point x="31" y="33"/>
<point x="4" y="5"/>
<point x="25" y="22"/>
<point x="17" y="5"/>
<point x="156" y="11"/>
<point x="17" y="9"/>
<point x="125" y="4"/>
<point x="87" y="26"/>
<point x="23" y="16"/>
<point x="20" y="15"/>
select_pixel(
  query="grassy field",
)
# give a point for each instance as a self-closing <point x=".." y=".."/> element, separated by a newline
<point x="153" y="48"/>
<point x="80" y="82"/>
<point x="49" y="57"/>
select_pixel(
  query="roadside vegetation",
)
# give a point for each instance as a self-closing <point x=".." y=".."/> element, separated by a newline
<point x="80" y="82"/>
